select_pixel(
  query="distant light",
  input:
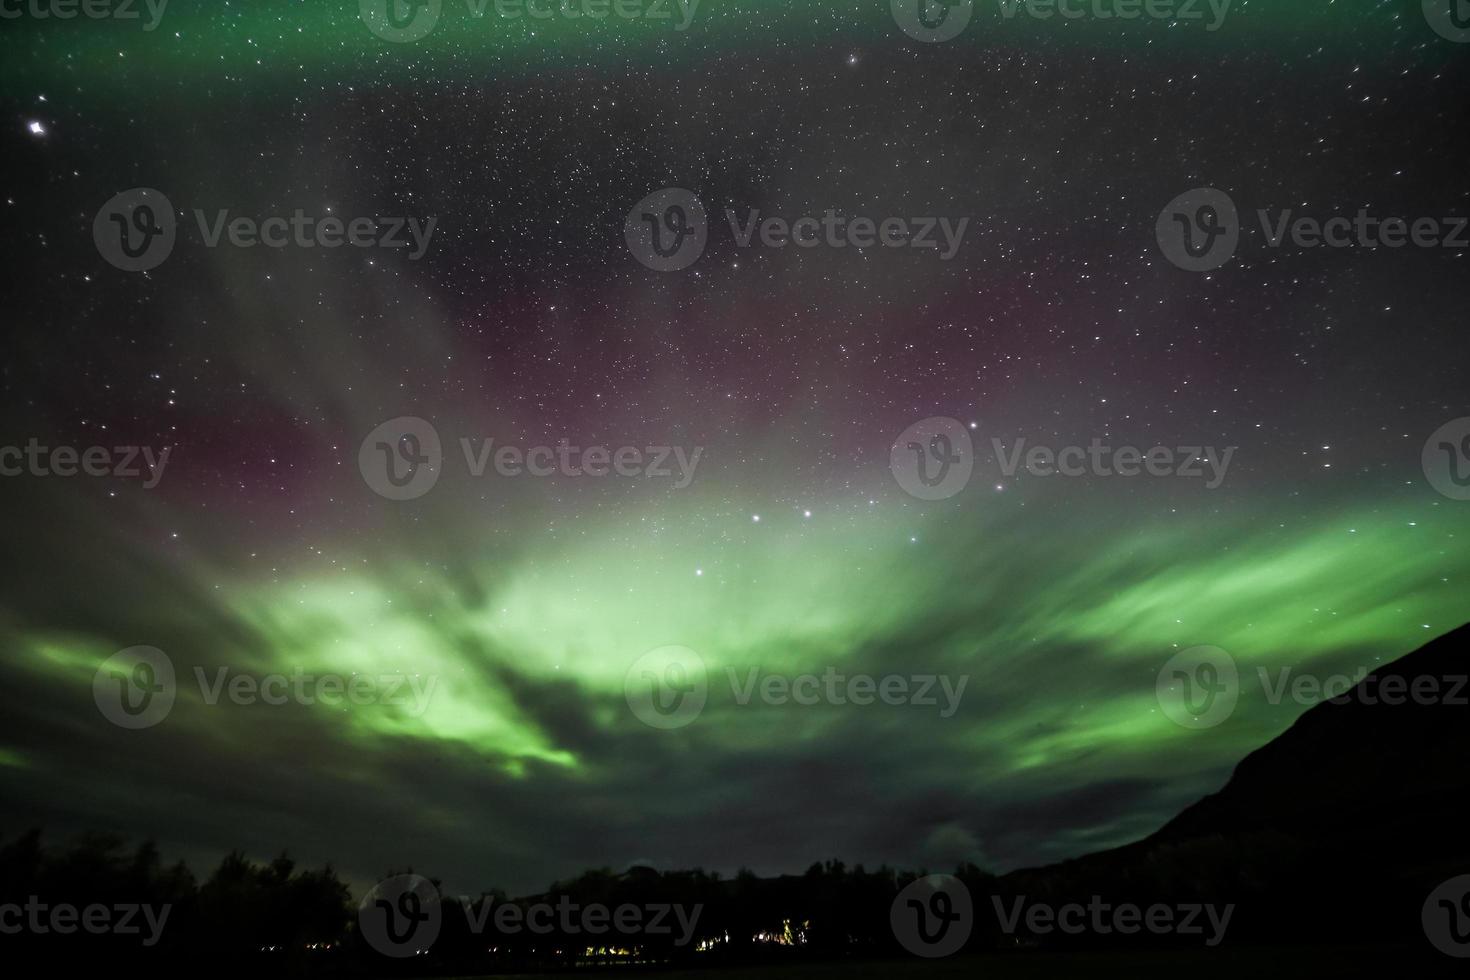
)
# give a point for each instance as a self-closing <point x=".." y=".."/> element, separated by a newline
<point x="806" y="513"/>
<point x="36" y="128"/>
<point x="756" y="518"/>
<point x="699" y="571"/>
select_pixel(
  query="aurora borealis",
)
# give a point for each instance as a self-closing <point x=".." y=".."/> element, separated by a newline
<point x="792" y="550"/>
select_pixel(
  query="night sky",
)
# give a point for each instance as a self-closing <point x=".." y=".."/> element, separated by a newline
<point x="794" y="548"/>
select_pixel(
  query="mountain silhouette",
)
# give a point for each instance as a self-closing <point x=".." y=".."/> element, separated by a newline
<point x="1334" y="831"/>
<point x="1365" y="766"/>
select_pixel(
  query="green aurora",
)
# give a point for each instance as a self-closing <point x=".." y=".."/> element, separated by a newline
<point x="527" y="604"/>
<point x="256" y="43"/>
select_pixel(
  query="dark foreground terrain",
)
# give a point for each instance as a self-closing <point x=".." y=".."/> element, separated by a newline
<point x="1405" y="963"/>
